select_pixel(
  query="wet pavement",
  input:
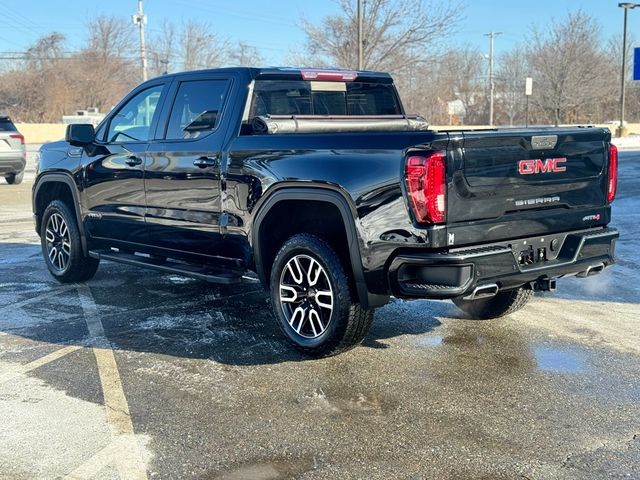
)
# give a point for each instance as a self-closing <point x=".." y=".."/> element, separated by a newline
<point x="137" y="374"/>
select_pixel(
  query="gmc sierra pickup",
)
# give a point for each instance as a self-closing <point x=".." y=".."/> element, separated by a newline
<point x="318" y="182"/>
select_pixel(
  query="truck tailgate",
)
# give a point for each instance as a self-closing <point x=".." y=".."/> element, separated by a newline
<point x="508" y="175"/>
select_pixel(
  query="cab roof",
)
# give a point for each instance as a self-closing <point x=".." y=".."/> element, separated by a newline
<point x="296" y="73"/>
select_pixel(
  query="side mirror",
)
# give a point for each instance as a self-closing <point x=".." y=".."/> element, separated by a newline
<point x="80" y="134"/>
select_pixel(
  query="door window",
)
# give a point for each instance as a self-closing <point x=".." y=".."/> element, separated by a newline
<point x="197" y="108"/>
<point x="133" y="121"/>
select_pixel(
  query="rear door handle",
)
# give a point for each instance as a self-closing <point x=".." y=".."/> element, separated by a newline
<point x="132" y="160"/>
<point x="204" y="162"/>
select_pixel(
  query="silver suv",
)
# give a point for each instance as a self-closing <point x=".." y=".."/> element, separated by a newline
<point x="13" y="155"/>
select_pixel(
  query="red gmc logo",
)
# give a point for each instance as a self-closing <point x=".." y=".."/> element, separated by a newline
<point x="548" y="165"/>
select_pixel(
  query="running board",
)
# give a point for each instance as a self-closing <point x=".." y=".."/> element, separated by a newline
<point x="200" y="272"/>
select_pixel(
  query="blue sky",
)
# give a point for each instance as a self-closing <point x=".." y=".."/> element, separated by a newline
<point x="274" y="25"/>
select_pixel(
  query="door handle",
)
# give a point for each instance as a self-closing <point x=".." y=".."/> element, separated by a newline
<point x="204" y="162"/>
<point x="132" y="160"/>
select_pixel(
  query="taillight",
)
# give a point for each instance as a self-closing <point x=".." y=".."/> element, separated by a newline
<point x="427" y="186"/>
<point x="18" y="135"/>
<point x="613" y="173"/>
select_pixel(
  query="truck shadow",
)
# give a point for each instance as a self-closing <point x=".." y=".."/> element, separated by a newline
<point x="144" y="311"/>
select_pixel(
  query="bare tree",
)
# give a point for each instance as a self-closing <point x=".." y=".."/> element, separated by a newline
<point x="162" y="48"/>
<point x="397" y="34"/>
<point x="246" y="55"/>
<point x="571" y="72"/>
<point x="110" y="36"/>
<point x="200" y="47"/>
<point x="510" y="84"/>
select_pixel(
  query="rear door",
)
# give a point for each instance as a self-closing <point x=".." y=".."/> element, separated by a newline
<point x="504" y="174"/>
<point x="182" y="172"/>
<point x="113" y="178"/>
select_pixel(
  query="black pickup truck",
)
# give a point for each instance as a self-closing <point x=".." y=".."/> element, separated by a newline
<point x="318" y="182"/>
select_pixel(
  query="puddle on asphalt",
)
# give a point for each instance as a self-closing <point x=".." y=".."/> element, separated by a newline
<point x="560" y="360"/>
<point x="430" y="341"/>
<point x="547" y="358"/>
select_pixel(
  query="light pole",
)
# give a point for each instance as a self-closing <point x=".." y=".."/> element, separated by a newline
<point x="360" y="34"/>
<point x="140" y="19"/>
<point x="491" y="36"/>
<point x="626" y="6"/>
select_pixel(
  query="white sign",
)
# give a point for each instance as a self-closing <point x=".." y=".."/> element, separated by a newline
<point x="528" y="86"/>
<point x="456" y="107"/>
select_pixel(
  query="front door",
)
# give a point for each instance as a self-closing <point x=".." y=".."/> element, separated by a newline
<point x="113" y="193"/>
<point x="182" y="171"/>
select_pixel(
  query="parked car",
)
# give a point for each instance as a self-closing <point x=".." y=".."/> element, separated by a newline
<point x="13" y="155"/>
<point x="321" y="184"/>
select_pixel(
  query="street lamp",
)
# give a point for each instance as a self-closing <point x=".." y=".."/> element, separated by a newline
<point x="626" y="6"/>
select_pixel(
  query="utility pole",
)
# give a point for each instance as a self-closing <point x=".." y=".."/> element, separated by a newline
<point x="491" y="36"/>
<point x="360" y="35"/>
<point x="626" y="6"/>
<point x="140" y="19"/>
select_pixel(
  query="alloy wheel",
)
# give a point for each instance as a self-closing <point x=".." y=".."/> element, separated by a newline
<point x="306" y="296"/>
<point x="58" y="242"/>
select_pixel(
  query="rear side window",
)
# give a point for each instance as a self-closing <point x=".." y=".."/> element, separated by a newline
<point x="6" y="125"/>
<point x="300" y="97"/>
<point x="197" y="109"/>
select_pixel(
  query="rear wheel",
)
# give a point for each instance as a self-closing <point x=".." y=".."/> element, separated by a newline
<point x="312" y="299"/>
<point x="62" y="247"/>
<point x="504" y="303"/>
<point x="15" y="179"/>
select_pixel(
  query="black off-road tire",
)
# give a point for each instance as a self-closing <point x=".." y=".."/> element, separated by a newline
<point x="80" y="267"/>
<point x="348" y="323"/>
<point x="504" y="303"/>
<point x="15" y="179"/>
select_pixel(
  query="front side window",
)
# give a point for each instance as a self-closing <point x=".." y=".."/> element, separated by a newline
<point x="133" y="121"/>
<point x="197" y="109"/>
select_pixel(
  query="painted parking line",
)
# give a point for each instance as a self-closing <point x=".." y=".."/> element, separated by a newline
<point x="124" y="450"/>
<point x="22" y="369"/>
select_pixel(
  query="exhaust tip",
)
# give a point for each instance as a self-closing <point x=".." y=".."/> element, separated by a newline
<point x="591" y="270"/>
<point x="483" y="291"/>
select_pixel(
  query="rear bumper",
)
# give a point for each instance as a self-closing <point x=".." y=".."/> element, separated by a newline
<point x="12" y="163"/>
<point x="505" y="264"/>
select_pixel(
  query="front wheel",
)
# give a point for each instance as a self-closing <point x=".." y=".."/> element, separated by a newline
<point x="15" y="179"/>
<point x="62" y="247"/>
<point x="504" y="303"/>
<point x="312" y="299"/>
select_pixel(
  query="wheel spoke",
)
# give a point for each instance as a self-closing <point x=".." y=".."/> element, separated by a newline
<point x="298" y="315"/>
<point x="314" y="318"/>
<point x="328" y="302"/>
<point x="288" y="294"/>
<point x="313" y="272"/>
<point x="49" y="235"/>
<point x="297" y="276"/>
<point x="52" y="254"/>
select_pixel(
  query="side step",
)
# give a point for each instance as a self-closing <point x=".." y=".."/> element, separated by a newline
<point x="201" y="272"/>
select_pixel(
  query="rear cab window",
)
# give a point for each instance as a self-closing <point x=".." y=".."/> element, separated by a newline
<point x="321" y="98"/>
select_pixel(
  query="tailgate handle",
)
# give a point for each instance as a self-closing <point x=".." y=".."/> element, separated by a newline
<point x="544" y="142"/>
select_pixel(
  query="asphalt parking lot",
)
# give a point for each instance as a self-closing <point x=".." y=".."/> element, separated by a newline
<point x="137" y="374"/>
